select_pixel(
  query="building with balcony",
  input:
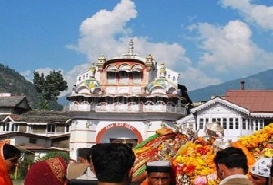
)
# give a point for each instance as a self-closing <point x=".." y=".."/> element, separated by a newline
<point x="124" y="99"/>
<point x="239" y="112"/>
<point x="35" y="131"/>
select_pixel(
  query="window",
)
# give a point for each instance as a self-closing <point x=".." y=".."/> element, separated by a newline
<point x="32" y="140"/>
<point x="256" y="125"/>
<point x="261" y="124"/>
<point x="231" y="123"/>
<point x="6" y="127"/>
<point x="236" y="123"/>
<point x="51" y="128"/>
<point x="201" y="123"/>
<point x="224" y="123"/>
<point x="111" y="75"/>
<point x="136" y="76"/>
<point x="244" y="124"/>
<point x="123" y="77"/>
<point x="213" y="120"/>
<point x="67" y="128"/>
<point x="109" y="100"/>
<point x="15" y="127"/>
<point x="174" y="78"/>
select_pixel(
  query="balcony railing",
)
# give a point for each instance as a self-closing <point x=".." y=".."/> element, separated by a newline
<point x="129" y="107"/>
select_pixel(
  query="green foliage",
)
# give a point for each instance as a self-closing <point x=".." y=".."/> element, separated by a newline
<point x="49" y="86"/>
<point x="14" y="83"/>
<point x="64" y="155"/>
<point x="22" y="169"/>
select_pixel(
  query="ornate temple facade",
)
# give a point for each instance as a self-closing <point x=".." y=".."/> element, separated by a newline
<point x="123" y="99"/>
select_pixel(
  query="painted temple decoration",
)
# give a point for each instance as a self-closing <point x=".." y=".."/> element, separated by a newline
<point x="124" y="98"/>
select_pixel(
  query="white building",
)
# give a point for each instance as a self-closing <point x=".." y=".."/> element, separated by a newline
<point x="123" y="99"/>
<point x="240" y="112"/>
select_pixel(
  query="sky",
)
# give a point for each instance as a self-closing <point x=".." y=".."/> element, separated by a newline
<point x="206" y="42"/>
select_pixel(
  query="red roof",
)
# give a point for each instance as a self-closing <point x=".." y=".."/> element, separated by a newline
<point x="253" y="100"/>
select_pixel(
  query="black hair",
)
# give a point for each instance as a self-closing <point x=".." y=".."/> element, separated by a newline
<point x="112" y="161"/>
<point x="232" y="157"/>
<point x="85" y="153"/>
<point x="10" y="151"/>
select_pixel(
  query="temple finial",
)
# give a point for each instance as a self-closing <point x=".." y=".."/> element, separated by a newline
<point x="130" y="53"/>
<point x="131" y="47"/>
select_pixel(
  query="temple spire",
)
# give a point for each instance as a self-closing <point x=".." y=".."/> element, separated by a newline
<point x="130" y="52"/>
<point x="131" y="47"/>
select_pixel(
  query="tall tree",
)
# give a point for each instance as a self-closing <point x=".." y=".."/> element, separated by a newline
<point x="49" y="86"/>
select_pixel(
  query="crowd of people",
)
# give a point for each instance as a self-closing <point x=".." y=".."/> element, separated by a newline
<point x="112" y="164"/>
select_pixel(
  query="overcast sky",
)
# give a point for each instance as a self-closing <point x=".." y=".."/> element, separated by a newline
<point x="207" y="42"/>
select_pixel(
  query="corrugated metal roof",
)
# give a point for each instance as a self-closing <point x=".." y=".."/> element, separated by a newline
<point x="11" y="101"/>
<point x="253" y="100"/>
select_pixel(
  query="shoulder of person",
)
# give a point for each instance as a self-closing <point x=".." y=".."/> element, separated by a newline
<point x="75" y="170"/>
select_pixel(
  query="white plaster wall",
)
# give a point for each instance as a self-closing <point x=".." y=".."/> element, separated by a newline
<point x="82" y="135"/>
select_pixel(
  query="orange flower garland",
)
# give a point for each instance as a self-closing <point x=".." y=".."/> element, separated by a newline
<point x="257" y="138"/>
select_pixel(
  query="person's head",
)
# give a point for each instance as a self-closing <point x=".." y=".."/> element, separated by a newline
<point x="159" y="172"/>
<point x="113" y="162"/>
<point x="260" y="171"/>
<point x="230" y="161"/>
<point x="84" y="155"/>
<point x="48" y="172"/>
<point x="11" y="156"/>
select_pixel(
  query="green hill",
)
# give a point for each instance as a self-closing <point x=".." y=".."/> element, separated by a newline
<point x="14" y="83"/>
<point x="259" y="81"/>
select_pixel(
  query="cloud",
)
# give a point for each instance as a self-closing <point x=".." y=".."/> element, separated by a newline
<point x="194" y="77"/>
<point x="28" y="75"/>
<point x="259" y="14"/>
<point x="106" y="33"/>
<point x="226" y="51"/>
<point x="229" y="50"/>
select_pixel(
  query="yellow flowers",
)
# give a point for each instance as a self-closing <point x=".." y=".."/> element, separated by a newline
<point x="196" y="160"/>
<point x="267" y="152"/>
<point x="257" y="138"/>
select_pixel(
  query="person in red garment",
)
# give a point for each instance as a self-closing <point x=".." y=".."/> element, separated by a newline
<point x="48" y="172"/>
<point x="9" y="159"/>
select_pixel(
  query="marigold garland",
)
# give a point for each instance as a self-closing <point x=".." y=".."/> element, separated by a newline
<point x="195" y="160"/>
<point x="258" y="138"/>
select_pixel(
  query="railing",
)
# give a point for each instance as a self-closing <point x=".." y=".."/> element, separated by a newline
<point x="129" y="107"/>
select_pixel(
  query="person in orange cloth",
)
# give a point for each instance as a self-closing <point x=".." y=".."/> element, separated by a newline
<point x="158" y="173"/>
<point x="48" y="172"/>
<point x="9" y="157"/>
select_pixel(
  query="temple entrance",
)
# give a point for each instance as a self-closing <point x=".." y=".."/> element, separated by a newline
<point x="131" y="142"/>
<point x="119" y="132"/>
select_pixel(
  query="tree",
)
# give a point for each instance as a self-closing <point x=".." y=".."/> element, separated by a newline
<point x="64" y="155"/>
<point x="49" y="87"/>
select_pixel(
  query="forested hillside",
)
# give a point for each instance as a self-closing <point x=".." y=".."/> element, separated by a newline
<point x="12" y="82"/>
